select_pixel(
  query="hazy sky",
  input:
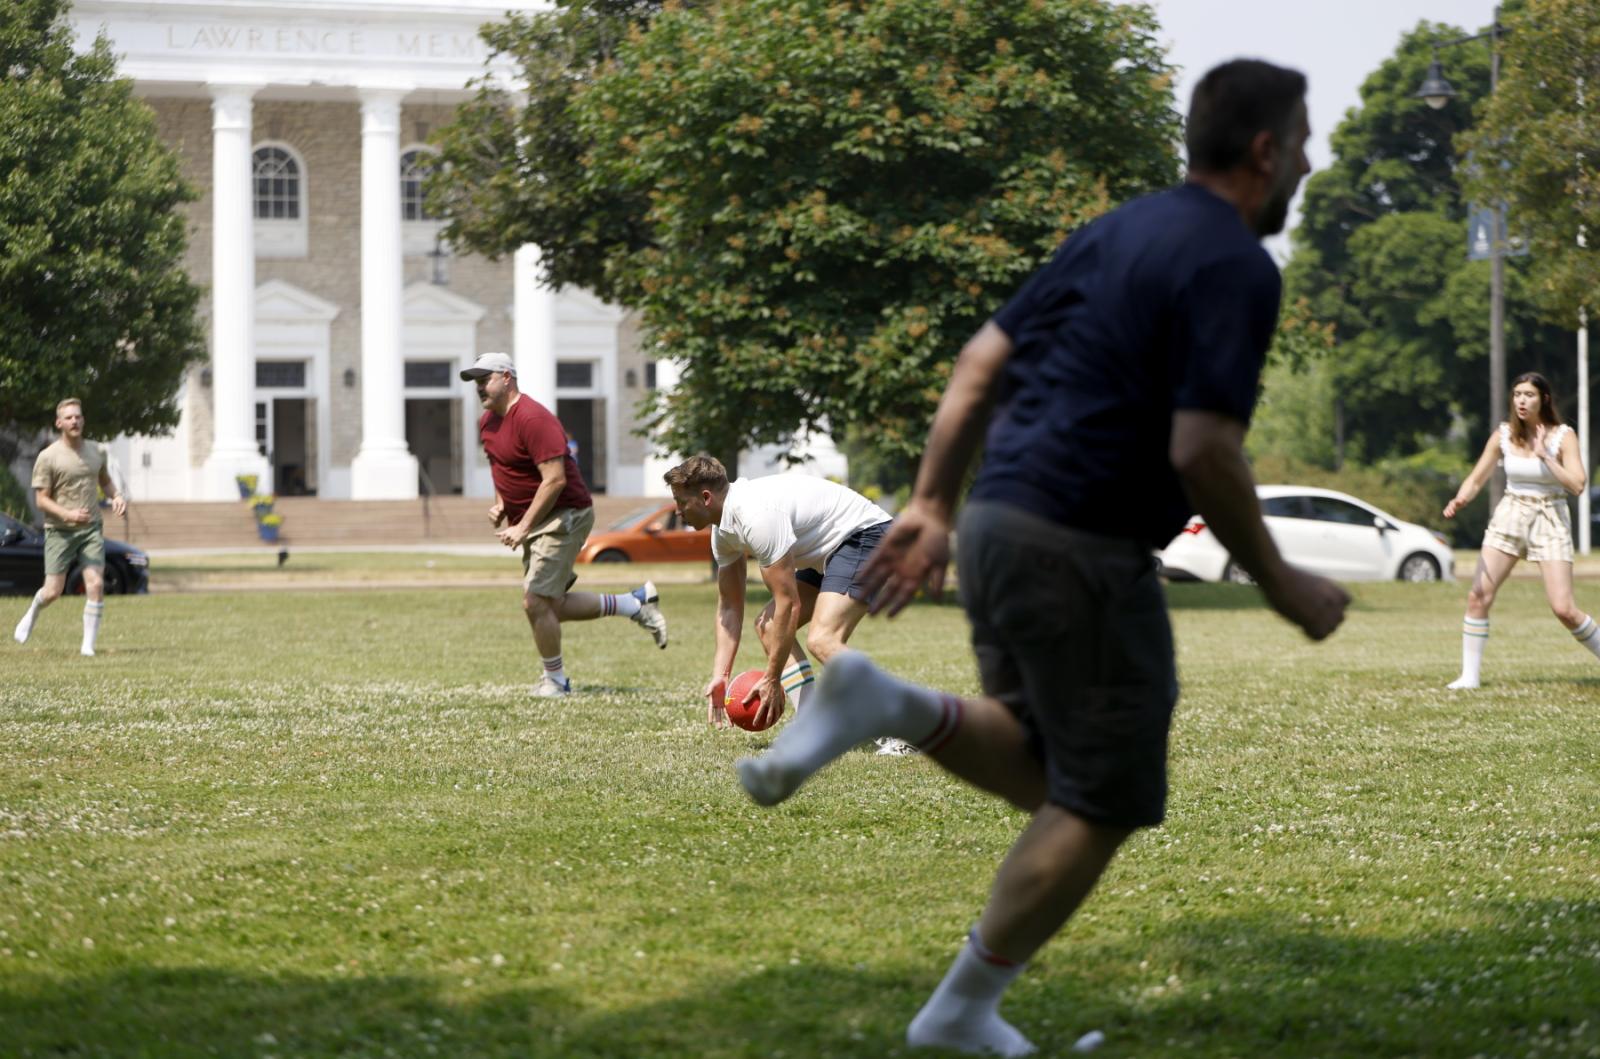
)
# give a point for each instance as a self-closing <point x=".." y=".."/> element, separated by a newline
<point x="1335" y="42"/>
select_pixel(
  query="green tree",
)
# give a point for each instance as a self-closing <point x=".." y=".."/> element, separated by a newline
<point x="831" y="196"/>
<point x="1539" y="151"/>
<point x="514" y="171"/>
<point x="1380" y="254"/>
<point x="94" y="299"/>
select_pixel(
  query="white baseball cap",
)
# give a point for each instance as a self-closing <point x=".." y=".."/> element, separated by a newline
<point x="490" y="364"/>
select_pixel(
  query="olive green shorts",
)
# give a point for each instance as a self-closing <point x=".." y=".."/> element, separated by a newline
<point x="86" y="544"/>
<point x="551" y="551"/>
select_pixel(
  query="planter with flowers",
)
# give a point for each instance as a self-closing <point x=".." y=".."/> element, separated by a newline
<point x="267" y="526"/>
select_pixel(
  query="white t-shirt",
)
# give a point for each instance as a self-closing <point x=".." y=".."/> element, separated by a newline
<point x="798" y="515"/>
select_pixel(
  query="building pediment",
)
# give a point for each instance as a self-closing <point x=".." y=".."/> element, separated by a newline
<point x="428" y="303"/>
<point x="278" y="301"/>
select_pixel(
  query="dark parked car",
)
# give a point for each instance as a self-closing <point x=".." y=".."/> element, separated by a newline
<point x="22" y="563"/>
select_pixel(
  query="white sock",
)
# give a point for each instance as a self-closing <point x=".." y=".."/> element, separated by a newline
<point x="1588" y="634"/>
<point x="797" y="682"/>
<point x="1474" y="635"/>
<point x="25" y="626"/>
<point x="852" y="703"/>
<point x="963" y="1013"/>
<point x="91" y="626"/>
<point x="625" y="605"/>
<point x="553" y="669"/>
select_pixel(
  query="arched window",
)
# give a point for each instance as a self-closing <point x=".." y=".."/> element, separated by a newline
<point x="277" y="184"/>
<point x="415" y="165"/>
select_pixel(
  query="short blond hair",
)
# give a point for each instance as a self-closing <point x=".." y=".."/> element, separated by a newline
<point x="65" y="402"/>
<point x="697" y="473"/>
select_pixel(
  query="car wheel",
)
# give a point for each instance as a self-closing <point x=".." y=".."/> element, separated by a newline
<point x="612" y="555"/>
<point x="1235" y="574"/>
<point x="116" y="579"/>
<point x="1419" y="567"/>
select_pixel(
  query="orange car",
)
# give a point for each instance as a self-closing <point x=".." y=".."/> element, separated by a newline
<point x="653" y="534"/>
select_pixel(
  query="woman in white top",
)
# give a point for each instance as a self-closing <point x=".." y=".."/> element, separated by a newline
<point x="1542" y="465"/>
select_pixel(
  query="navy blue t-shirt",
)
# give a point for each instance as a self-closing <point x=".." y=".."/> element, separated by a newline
<point x="1166" y="303"/>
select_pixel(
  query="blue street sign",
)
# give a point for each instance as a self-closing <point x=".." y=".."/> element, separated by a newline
<point x="1480" y="236"/>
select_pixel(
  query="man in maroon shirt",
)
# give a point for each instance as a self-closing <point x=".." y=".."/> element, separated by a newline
<point x="547" y="513"/>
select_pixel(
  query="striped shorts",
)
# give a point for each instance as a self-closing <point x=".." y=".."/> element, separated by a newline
<point x="1531" y="527"/>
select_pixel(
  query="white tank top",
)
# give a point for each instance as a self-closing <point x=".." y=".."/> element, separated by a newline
<point x="1528" y="475"/>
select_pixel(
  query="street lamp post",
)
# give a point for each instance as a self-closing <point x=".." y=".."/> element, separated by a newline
<point x="1436" y="92"/>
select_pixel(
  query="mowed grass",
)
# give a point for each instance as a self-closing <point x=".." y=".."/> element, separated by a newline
<point x="301" y="824"/>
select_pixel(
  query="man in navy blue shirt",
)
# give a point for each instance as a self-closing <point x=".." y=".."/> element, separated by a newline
<point x="1116" y="388"/>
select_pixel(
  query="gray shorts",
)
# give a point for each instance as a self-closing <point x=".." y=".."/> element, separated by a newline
<point x="1071" y="633"/>
<point x="845" y="563"/>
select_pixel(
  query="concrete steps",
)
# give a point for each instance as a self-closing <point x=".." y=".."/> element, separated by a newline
<point x="310" y="521"/>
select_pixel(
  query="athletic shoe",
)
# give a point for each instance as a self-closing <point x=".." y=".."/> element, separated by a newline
<point x="551" y="688"/>
<point x="889" y="746"/>
<point x="650" y="616"/>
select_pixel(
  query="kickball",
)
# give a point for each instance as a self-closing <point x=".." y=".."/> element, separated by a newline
<point x="744" y="713"/>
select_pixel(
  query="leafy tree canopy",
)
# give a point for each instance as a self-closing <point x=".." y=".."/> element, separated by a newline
<point x="1538" y="141"/>
<point x="1381" y="255"/>
<point x="813" y="204"/>
<point x="94" y="299"/>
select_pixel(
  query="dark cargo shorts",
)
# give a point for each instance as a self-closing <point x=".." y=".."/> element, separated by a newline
<point x="1071" y="633"/>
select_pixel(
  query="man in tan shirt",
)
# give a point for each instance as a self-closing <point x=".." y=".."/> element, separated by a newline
<point x="67" y="478"/>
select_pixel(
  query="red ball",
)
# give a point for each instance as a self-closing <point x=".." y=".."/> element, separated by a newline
<point x="744" y="713"/>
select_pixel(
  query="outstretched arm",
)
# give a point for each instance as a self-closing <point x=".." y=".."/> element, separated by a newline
<point x="1478" y="478"/>
<point x="916" y="549"/>
<point x="1208" y="453"/>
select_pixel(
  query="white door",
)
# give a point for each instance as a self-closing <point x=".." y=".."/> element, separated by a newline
<point x="1351" y="546"/>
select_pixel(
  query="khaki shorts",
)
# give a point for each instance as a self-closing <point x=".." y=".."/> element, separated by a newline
<point x="551" y="551"/>
<point x="86" y="544"/>
<point x="1531" y="527"/>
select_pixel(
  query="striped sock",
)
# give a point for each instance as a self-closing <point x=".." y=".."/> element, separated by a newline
<point x="626" y="605"/>
<point x="552" y="668"/>
<point x="1588" y="634"/>
<point x="796" y="681"/>
<point x="91" y="626"/>
<point x="950" y="714"/>
<point x="1474" y="635"/>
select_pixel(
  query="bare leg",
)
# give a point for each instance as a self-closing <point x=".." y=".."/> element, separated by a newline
<point x="1558" y="590"/>
<point x="544" y="616"/>
<point x="1494" y="566"/>
<point x="1049" y="871"/>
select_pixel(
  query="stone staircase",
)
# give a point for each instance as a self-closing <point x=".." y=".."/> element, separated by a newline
<point x="308" y="521"/>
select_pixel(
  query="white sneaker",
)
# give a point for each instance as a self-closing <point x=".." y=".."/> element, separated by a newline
<point x="87" y="651"/>
<point x="889" y="746"/>
<point x="551" y="688"/>
<point x="23" y="630"/>
<point x="650" y="616"/>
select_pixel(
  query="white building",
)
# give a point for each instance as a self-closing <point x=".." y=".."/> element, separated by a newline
<point x="338" y="319"/>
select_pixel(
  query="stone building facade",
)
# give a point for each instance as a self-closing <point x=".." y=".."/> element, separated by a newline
<point x="338" y="319"/>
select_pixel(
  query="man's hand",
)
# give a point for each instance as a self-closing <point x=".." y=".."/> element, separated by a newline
<point x="914" y="552"/>
<point x="497" y="512"/>
<point x="513" y="536"/>
<point x="1314" y="603"/>
<point x="78" y="516"/>
<point x="118" y="505"/>
<point x="771" y="691"/>
<point x="716" y="692"/>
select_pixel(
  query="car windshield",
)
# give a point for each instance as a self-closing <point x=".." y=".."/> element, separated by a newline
<point x="636" y="518"/>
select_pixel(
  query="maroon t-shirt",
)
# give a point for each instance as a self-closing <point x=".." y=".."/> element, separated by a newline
<point x="516" y="443"/>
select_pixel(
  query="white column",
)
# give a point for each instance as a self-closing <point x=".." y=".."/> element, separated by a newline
<point x="533" y="311"/>
<point x="383" y="468"/>
<point x="657" y="465"/>
<point x="233" y="284"/>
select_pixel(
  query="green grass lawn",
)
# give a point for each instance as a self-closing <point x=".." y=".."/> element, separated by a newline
<point x="301" y="824"/>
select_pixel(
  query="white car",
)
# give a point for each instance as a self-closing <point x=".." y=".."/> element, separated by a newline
<point x="1328" y="533"/>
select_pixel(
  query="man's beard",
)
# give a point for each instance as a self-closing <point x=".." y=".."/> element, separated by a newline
<point x="1274" y="212"/>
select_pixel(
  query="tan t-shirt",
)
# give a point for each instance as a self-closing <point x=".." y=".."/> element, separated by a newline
<point x="71" y="477"/>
